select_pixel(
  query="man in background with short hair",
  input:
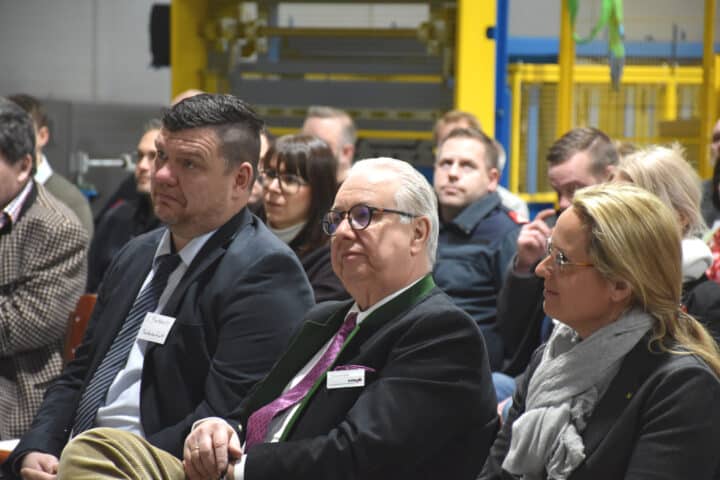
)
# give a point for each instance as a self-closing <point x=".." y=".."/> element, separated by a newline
<point x="477" y="232"/>
<point x="582" y="157"/>
<point x="459" y="119"/>
<point x="56" y="184"/>
<point x="337" y="128"/>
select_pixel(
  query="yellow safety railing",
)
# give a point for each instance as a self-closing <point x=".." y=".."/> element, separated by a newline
<point x="654" y="104"/>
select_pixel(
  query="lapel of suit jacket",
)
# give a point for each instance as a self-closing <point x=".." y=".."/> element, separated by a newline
<point x="635" y="368"/>
<point x="393" y="309"/>
<point x="213" y="249"/>
<point x="315" y="332"/>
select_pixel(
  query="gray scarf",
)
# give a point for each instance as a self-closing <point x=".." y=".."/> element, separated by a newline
<point x="562" y="394"/>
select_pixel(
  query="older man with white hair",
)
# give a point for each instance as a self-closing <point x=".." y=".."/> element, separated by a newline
<point x="394" y="383"/>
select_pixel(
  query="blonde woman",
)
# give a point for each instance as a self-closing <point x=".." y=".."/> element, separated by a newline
<point x="665" y="172"/>
<point x="627" y="385"/>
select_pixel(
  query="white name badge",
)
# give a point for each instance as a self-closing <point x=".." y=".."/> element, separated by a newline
<point x="155" y="328"/>
<point x="346" y="378"/>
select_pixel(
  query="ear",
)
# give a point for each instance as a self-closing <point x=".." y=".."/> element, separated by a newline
<point x="620" y="291"/>
<point x="420" y="234"/>
<point x="42" y="137"/>
<point x="494" y="176"/>
<point x="609" y="171"/>
<point x="348" y="151"/>
<point x="25" y="171"/>
<point x="242" y="176"/>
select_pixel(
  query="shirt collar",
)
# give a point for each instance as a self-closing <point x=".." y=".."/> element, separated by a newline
<point x="362" y="315"/>
<point x="188" y="252"/>
<point x="43" y="170"/>
<point x="12" y="210"/>
<point x="468" y="219"/>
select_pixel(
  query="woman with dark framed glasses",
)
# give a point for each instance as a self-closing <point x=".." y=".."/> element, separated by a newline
<point x="298" y="176"/>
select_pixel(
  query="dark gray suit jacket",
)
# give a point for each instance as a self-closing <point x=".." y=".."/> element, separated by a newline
<point x="427" y="409"/>
<point x="235" y="308"/>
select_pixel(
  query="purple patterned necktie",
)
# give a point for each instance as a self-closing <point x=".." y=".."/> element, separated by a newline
<point x="259" y="421"/>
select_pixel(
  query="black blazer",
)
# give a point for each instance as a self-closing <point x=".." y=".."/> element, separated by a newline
<point x="659" y="419"/>
<point x="235" y="309"/>
<point x="325" y="284"/>
<point x="427" y="409"/>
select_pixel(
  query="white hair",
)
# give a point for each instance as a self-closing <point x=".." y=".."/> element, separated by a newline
<point x="415" y="195"/>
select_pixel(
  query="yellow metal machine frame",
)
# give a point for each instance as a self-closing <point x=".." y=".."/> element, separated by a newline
<point x="667" y="79"/>
<point x="194" y="25"/>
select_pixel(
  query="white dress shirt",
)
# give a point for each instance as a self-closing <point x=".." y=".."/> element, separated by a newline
<point x="122" y="404"/>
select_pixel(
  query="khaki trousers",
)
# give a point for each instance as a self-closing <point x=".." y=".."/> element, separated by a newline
<point x="108" y="453"/>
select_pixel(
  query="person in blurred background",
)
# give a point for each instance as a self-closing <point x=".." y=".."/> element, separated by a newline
<point x="255" y="202"/>
<point x="59" y="186"/>
<point x="665" y="172"/>
<point x="337" y="128"/>
<point x="127" y="218"/>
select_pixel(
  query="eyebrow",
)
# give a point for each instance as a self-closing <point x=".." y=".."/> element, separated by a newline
<point x="554" y="246"/>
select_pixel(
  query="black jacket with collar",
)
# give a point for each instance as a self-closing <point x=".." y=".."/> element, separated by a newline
<point x="427" y="410"/>
<point x="659" y="419"/>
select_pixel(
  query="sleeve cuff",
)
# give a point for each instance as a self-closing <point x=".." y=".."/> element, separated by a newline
<point x="239" y="469"/>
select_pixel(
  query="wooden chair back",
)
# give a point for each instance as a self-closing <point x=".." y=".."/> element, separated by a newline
<point x="77" y="323"/>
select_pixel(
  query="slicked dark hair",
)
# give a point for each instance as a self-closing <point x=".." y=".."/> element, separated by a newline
<point x="312" y="159"/>
<point x="235" y="123"/>
<point x="17" y="132"/>
<point x="594" y="142"/>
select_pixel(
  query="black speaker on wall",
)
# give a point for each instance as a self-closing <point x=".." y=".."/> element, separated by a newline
<point x="160" y="35"/>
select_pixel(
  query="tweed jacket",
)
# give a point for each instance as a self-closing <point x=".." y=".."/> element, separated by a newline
<point x="43" y="263"/>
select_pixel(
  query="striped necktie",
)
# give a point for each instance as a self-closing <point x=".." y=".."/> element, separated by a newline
<point x="259" y="421"/>
<point x="116" y="357"/>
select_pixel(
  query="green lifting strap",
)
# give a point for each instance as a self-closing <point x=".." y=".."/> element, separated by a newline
<point x="611" y="16"/>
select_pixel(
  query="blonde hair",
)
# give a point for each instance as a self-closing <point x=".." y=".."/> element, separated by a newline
<point x="624" y="224"/>
<point x="454" y="116"/>
<point x="665" y="172"/>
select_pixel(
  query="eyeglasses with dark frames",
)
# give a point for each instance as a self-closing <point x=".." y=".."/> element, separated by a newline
<point x="359" y="217"/>
<point x="560" y="260"/>
<point x="289" y="182"/>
